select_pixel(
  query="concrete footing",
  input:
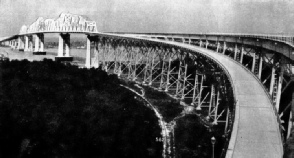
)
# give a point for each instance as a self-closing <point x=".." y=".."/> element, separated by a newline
<point x="60" y="59"/>
<point x="39" y="53"/>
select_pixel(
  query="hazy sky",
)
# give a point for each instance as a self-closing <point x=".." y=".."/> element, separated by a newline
<point x="184" y="16"/>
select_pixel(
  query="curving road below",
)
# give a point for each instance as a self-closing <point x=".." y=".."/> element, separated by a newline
<point x="256" y="131"/>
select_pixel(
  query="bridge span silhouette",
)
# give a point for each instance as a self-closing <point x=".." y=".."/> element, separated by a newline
<point x="240" y="81"/>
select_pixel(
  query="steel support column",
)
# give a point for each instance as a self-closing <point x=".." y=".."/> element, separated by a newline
<point x="278" y="95"/>
<point x="235" y="52"/>
<point x="253" y="63"/>
<point x="217" y="48"/>
<point x="242" y="54"/>
<point x="272" y="80"/>
<point x="224" y="47"/>
<point x="290" y="124"/>
<point x="260" y="66"/>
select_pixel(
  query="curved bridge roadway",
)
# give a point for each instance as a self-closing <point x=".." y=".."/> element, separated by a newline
<point x="256" y="131"/>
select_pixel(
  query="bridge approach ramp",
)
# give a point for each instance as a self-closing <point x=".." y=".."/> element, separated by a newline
<point x="256" y="132"/>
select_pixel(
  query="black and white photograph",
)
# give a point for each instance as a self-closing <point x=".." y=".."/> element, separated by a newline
<point x="146" y="78"/>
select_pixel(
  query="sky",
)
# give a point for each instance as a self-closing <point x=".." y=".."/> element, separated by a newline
<point x="158" y="16"/>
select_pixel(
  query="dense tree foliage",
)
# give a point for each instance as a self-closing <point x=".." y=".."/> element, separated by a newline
<point x="49" y="109"/>
<point x="193" y="139"/>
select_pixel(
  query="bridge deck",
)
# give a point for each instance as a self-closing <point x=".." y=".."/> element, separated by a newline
<point x="256" y="130"/>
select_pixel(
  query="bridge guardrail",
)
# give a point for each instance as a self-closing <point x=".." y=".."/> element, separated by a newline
<point x="232" y="141"/>
<point x="268" y="95"/>
<point x="289" y="39"/>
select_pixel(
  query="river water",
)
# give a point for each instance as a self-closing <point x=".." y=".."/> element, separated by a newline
<point x="13" y="54"/>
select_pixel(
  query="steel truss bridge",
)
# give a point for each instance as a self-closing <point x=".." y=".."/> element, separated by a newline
<point x="241" y="82"/>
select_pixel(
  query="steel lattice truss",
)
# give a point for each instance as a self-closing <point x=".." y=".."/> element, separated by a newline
<point x="185" y="75"/>
<point x="272" y="69"/>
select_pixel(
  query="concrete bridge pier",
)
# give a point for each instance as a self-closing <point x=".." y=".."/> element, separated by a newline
<point x="37" y="41"/>
<point x="64" y="43"/>
<point x="96" y="62"/>
<point x="11" y="43"/>
<point x="20" y="45"/>
<point x="67" y="45"/>
<point x="41" y="37"/>
<point x="88" y="52"/>
<point x="31" y="44"/>
<point x="39" y="45"/>
<point x="26" y="48"/>
<point x="14" y="44"/>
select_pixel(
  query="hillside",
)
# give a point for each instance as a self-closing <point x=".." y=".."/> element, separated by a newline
<point x="49" y="109"/>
